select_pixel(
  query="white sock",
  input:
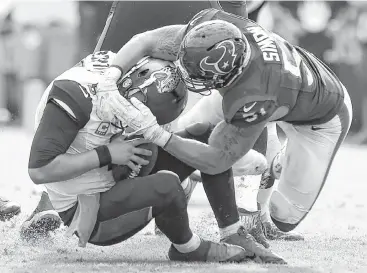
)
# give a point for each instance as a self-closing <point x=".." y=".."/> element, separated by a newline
<point x="184" y="184"/>
<point x="264" y="211"/>
<point x="273" y="144"/>
<point x="264" y="195"/>
<point x="228" y="231"/>
<point x="192" y="245"/>
<point x="265" y="216"/>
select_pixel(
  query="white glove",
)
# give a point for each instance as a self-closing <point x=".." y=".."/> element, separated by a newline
<point x="109" y="79"/>
<point x="139" y="118"/>
<point x="106" y="89"/>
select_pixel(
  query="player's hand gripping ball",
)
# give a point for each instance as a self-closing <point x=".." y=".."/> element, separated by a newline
<point x="122" y="172"/>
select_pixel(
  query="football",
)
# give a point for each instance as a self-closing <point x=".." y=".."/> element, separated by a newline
<point x="121" y="172"/>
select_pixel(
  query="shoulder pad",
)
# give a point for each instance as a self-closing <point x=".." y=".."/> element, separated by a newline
<point x="73" y="98"/>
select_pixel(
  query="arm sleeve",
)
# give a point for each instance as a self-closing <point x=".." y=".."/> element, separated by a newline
<point x="56" y="132"/>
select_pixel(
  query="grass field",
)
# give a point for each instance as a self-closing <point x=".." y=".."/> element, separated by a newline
<point x="335" y="230"/>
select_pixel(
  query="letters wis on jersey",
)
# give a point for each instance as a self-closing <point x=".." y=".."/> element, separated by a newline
<point x="266" y="44"/>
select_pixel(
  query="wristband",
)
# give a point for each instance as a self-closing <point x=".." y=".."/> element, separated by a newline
<point x="161" y="137"/>
<point x="104" y="156"/>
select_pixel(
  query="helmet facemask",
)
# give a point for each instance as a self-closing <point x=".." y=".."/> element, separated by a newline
<point x="164" y="80"/>
<point x="157" y="84"/>
<point x="197" y="85"/>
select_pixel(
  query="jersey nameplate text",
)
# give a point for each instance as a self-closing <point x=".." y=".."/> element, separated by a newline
<point x="266" y="43"/>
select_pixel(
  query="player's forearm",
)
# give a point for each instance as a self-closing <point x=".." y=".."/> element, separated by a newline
<point x="235" y="7"/>
<point x="65" y="167"/>
<point x="162" y="43"/>
<point x="227" y="144"/>
<point x="198" y="155"/>
<point x="132" y="52"/>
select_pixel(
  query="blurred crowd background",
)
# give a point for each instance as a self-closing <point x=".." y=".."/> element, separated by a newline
<point x="40" y="40"/>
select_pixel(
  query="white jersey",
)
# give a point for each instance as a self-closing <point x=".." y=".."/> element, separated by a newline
<point x="95" y="133"/>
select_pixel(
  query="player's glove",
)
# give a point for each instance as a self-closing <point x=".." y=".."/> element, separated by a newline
<point x="139" y="118"/>
<point x="106" y="90"/>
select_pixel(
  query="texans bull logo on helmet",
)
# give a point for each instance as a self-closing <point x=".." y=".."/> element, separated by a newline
<point x="225" y="62"/>
<point x="166" y="79"/>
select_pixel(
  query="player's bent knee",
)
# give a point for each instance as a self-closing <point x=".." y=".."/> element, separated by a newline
<point x="168" y="182"/>
<point x="172" y="196"/>
<point x="169" y="173"/>
<point x="284" y="214"/>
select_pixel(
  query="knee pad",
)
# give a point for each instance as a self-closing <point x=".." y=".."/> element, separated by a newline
<point x="284" y="214"/>
<point x="200" y="131"/>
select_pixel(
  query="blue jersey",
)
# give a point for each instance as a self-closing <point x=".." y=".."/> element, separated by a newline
<point x="280" y="78"/>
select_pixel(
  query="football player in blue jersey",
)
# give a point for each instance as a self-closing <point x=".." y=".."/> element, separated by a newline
<point x="261" y="78"/>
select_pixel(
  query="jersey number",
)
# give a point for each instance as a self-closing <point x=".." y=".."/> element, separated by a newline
<point x="292" y="62"/>
<point x="100" y="60"/>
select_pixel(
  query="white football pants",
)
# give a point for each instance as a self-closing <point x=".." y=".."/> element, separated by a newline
<point x="306" y="162"/>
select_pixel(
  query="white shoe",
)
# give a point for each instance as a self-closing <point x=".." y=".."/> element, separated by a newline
<point x="39" y="224"/>
<point x="273" y="233"/>
<point x="43" y="220"/>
